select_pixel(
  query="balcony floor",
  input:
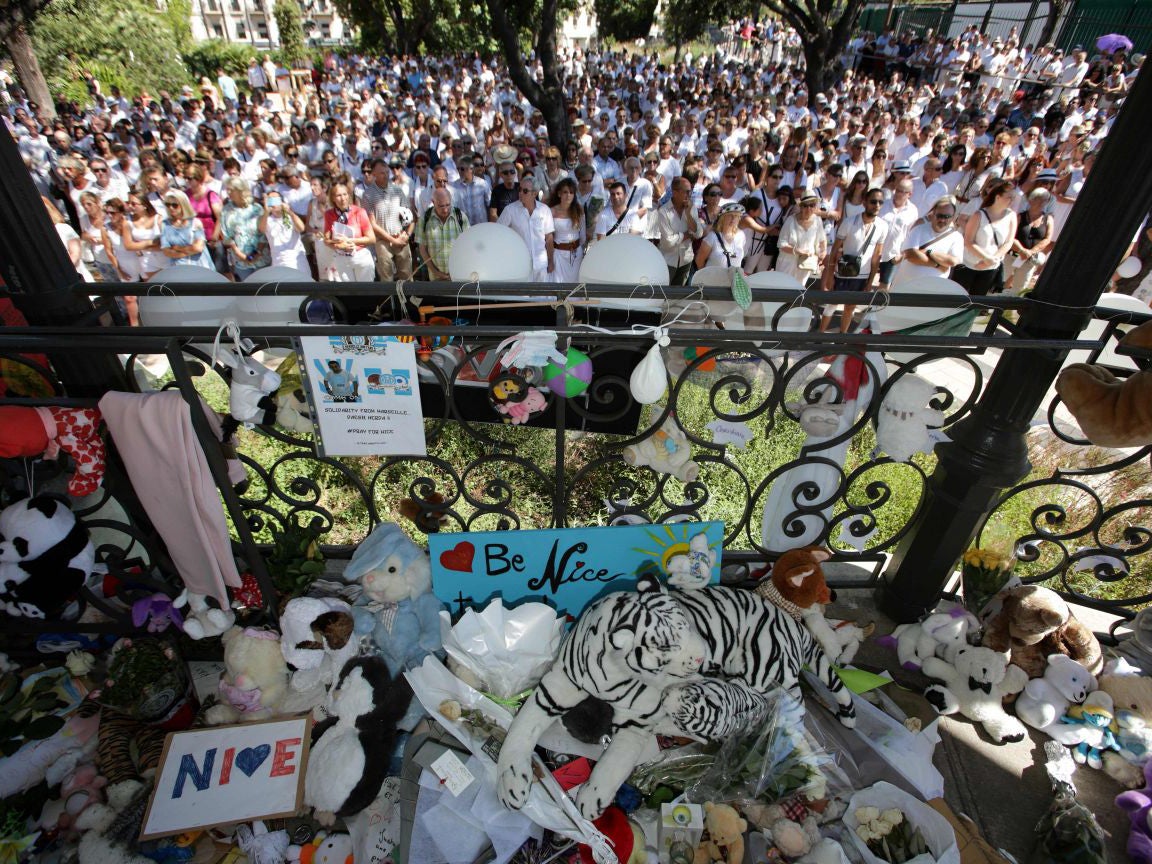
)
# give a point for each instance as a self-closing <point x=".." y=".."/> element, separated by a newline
<point x="1004" y="789"/>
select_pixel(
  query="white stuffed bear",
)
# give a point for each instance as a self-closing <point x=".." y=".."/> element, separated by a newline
<point x="255" y="678"/>
<point x="204" y="618"/>
<point x="975" y="684"/>
<point x="317" y="640"/>
<point x="904" y="418"/>
<point x="665" y="451"/>
<point x="941" y="635"/>
<point x="1046" y="700"/>
<point x="95" y="846"/>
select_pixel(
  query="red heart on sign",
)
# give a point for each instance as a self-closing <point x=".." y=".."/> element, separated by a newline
<point x="460" y="558"/>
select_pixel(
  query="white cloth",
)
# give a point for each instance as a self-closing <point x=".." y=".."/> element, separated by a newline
<point x="951" y="244"/>
<point x="533" y="228"/>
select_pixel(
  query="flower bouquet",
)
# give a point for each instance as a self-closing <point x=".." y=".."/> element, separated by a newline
<point x="888" y="835"/>
<point x="886" y="825"/>
<point x="148" y="681"/>
<point x="984" y="571"/>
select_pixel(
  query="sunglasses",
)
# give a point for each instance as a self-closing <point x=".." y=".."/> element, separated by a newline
<point x="876" y="202"/>
<point x="943" y="217"/>
<point x="712" y="195"/>
<point x="171" y="204"/>
<point x="507" y="173"/>
<point x="99" y="170"/>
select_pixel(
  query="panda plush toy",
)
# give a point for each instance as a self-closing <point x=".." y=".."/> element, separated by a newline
<point x="45" y="556"/>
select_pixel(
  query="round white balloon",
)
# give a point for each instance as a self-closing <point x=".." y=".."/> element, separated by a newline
<point x="268" y="309"/>
<point x="490" y="252"/>
<point x="626" y="259"/>
<point x="890" y="318"/>
<point x="798" y="320"/>
<point x="1129" y="267"/>
<point x="158" y="310"/>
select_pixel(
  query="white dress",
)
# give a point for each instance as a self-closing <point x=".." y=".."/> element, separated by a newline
<point x="567" y="263"/>
<point x="285" y="245"/>
<point x="1061" y="210"/>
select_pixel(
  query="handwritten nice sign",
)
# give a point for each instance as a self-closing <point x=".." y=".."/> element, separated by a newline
<point x="229" y="774"/>
<point x="567" y="567"/>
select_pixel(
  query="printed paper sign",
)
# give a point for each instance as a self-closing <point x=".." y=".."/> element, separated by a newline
<point x="228" y="774"/>
<point x="364" y="395"/>
<point x="566" y="567"/>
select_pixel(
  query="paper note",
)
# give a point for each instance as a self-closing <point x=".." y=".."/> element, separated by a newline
<point x="451" y="771"/>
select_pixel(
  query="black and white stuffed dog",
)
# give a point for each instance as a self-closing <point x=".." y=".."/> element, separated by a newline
<point x="352" y="749"/>
<point x="45" y="556"/>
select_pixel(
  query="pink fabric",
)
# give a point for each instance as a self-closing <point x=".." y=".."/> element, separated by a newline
<point x="169" y="471"/>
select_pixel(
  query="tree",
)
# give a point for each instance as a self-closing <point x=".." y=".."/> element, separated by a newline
<point x="1055" y="10"/>
<point x="15" y="18"/>
<point x="686" y="20"/>
<point x="178" y="15"/>
<point x="547" y="94"/>
<point x="288" y="22"/>
<point x="825" y="27"/>
<point x="419" y="26"/>
<point x="624" y="20"/>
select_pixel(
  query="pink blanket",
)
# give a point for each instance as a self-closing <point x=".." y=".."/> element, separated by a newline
<point x="154" y="436"/>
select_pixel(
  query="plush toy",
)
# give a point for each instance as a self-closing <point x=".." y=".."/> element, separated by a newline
<point x="156" y="612"/>
<point x="26" y="432"/>
<point x="397" y="607"/>
<point x="710" y="709"/>
<point x="255" y="678"/>
<point x="323" y="849"/>
<point x="81" y="789"/>
<point x="1093" y="721"/>
<point x="45" y="556"/>
<point x="798" y="587"/>
<point x="513" y="397"/>
<point x="692" y="569"/>
<point x="1131" y="693"/>
<point x="940" y="634"/>
<point x="625" y="836"/>
<point x="204" y="618"/>
<point x="317" y="640"/>
<point x="104" y="841"/>
<point x="665" y="451"/>
<point x="353" y="748"/>
<point x="1034" y="622"/>
<point x="1046" y="700"/>
<point x="1138" y="805"/>
<point x="820" y="419"/>
<point x="251" y="389"/>
<point x="428" y="521"/>
<point x="904" y="419"/>
<point x="794" y="839"/>
<point x="975" y="683"/>
<point x="1112" y="412"/>
<point x="725" y="835"/>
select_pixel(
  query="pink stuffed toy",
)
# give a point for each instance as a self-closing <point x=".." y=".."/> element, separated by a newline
<point x="76" y="431"/>
<point x="1138" y="805"/>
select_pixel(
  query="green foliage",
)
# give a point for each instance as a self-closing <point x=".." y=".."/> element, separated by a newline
<point x="625" y="20"/>
<point x="295" y="560"/>
<point x="686" y="20"/>
<point x="420" y="26"/>
<point x="178" y="14"/>
<point x="204" y="58"/>
<point x="288" y="22"/>
<point x="122" y="42"/>
<point x="26" y="715"/>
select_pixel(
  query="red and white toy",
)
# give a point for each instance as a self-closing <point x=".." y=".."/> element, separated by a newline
<point x="46" y="431"/>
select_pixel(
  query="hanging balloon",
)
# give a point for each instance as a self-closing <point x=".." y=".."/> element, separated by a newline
<point x="572" y="378"/>
<point x="649" y="379"/>
<point x="1129" y="267"/>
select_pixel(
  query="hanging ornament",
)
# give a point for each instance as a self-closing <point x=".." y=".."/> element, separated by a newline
<point x="649" y="379"/>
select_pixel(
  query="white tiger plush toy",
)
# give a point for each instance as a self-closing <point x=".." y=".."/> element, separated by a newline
<point x="752" y="639"/>
<point x="625" y="649"/>
<point x="711" y="709"/>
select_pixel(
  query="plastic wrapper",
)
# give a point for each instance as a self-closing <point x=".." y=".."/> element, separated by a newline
<point x="933" y="827"/>
<point x="480" y="725"/>
<point x="507" y="650"/>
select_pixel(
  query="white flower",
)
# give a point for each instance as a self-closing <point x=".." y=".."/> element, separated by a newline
<point x="864" y="834"/>
<point x="80" y="663"/>
<point x="879" y="828"/>
<point x="893" y="817"/>
<point x="866" y="814"/>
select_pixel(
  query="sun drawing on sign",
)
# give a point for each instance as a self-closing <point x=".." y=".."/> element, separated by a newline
<point x="667" y="545"/>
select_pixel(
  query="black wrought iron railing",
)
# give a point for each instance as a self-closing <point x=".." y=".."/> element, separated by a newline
<point x="780" y="425"/>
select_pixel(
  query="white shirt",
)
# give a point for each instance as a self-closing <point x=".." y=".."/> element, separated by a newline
<point x="924" y="196"/>
<point x="899" y="223"/>
<point x="532" y="227"/>
<point x="854" y="233"/>
<point x="630" y="222"/>
<point x="951" y="244"/>
<point x="675" y="238"/>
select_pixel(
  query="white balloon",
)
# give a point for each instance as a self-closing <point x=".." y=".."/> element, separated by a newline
<point x="267" y="309"/>
<point x="626" y="259"/>
<point x="649" y="379"/>
<point x="798" y="320"/>
<point x="1115" y="302"/>
<point x="1129" y="267"/>
<point x="158" y="310"/>
<point x="490" y="252"/>
<point x="890" y="318"/>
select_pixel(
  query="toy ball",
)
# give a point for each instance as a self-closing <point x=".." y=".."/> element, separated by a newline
<point x="573" y="378"/>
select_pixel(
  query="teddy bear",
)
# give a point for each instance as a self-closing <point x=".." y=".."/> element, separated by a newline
<point x="975" y="683"/>
<point x="1131" y="694"/>
<point x="353" y="748"/>
<point x="45" y="556"/>
<point x="797" y="585"/>
<point x="1111" y="411"/>
<point x="204" y="617"/>
<point x="1093" y="719"/>
<point x="108" y="838"/>
<point x="940" y="634"/>
<point x="26" y="431"/>
<point x="1034" y="622"/>
<point x="397" y="608"/>
<point x="317" y="639"/>
<point x="725" y="835"/>
<point x="1137" y="803"/>
<point x="255" y="681"/>
<point x="80" y="789"/>
<point x="665" y="451"/>
<point x="904" y="420"/>
<point x="1046" y="700"/>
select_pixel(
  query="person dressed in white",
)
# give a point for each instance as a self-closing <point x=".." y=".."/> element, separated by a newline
<point x="676" y="228"/>
<point x="900" y="214"/>
<point x="854" y="263"/>
<point x="618" y="217"/>
<point x="569" y="238"/>
<point x="803" y="242"/>
<point x="933" y="247"/>
<point x="725" y="245"/>
<point x="533" y="222"/>
<point x="283" y="228"/>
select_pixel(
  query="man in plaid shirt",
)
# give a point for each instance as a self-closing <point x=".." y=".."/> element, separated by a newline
<point x="436" y="231"/>
<point x="392" y="222"/>
<point x="471" y="193"/>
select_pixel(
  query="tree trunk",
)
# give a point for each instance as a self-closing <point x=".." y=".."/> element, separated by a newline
<point x="19" y="46"/>
<point x="1055" y="9"/>
<point x="815" y="66"/>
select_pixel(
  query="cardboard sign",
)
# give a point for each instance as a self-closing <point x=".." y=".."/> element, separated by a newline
<point x="565" y="567"/>
<point x="363" y="394"/>
<point x="227" y="774"/>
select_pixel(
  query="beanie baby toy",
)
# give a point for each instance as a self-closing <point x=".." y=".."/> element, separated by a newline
<point x="904" y="420"/>
<point x="1034" y="622"/>
<point x="1111" y="411"/>
<point x="45" y="556"/>
<point x="28" y="432"/>
<point x="255" y="681"/>
<point x="1138" y="805"/>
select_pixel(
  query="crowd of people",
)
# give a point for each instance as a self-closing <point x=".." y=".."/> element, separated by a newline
<point x="932" y="155"/>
